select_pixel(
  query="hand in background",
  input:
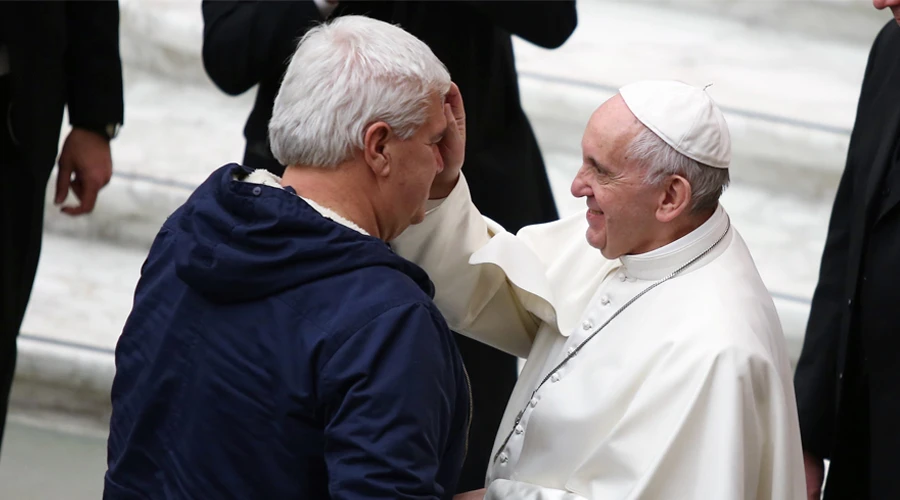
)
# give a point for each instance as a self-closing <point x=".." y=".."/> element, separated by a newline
<point x="85" y="166"/>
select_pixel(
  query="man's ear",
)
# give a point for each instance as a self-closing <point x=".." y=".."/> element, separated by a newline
<point x="675" y="199"/>
<point x="375" y="150"/>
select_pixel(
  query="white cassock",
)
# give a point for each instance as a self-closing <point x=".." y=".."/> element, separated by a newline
<point x="686" y="394"/>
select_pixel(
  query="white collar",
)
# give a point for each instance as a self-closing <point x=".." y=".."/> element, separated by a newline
<point x="659" y="263"/>
<point x="266" y="178"/>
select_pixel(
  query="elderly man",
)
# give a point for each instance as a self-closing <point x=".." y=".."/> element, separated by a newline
<point x="656" y="362"/>
<point x="246" y="45"/>
<point x="277" y="347"/>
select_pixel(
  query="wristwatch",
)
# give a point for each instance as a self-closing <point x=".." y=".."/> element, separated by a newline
<point x="110" y="130"/>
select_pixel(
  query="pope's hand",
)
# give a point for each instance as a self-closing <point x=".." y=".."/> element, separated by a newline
<point x="452" y="146"/>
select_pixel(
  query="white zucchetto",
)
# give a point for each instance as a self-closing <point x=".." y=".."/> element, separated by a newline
<point x="683" y="116"/>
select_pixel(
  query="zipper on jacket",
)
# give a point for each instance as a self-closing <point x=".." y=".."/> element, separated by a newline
<point x="471" y="412"/>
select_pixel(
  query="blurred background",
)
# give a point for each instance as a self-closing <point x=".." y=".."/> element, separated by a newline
<point x="786" y="72"/>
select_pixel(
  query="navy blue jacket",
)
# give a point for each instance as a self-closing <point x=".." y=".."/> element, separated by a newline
<point x="272" y="353"/>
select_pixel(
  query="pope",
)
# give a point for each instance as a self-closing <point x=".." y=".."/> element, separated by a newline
<point x="656" y="364"/>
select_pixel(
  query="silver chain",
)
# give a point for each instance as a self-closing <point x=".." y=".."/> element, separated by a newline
<point x="594" y="334"/>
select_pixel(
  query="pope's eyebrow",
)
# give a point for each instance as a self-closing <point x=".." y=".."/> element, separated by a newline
<point x="594" y="163"/>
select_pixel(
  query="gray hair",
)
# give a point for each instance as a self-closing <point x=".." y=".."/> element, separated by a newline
<point x="661" y="161"/>
<point x="344" y="76"/>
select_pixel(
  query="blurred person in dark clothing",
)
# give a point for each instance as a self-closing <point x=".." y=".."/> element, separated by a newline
<point x="848" y="377"/>
<point x="53" y="55"/>
<point x="249" y="43"/>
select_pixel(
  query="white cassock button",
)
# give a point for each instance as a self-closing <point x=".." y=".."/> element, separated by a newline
<point x="503" y="458"/>
<point x="533" y="402"/>
<point x="571" y="351"/>
<point x="622" y="277"/>
<point x="554" y="377"/>
<point x="519" y="429"/>
<point x="587" y="325"/>
<point x="604" y="300"/>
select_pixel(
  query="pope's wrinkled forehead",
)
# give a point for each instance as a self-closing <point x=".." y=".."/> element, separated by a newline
<point x="610" y="128"/>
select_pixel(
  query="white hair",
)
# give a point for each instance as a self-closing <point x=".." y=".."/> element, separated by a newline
<point x="344" y="76"/>
<point x="662" y="160"/>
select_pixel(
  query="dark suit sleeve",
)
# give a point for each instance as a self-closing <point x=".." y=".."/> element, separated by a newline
<point x="545" y="23"/>
<point x="392" y="399"/>
<point x="93" y="66"/>
<point x="816" y="377"/>
<point x="245" y="42"/>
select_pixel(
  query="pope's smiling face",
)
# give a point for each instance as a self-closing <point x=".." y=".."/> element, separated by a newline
<point x="894" y="5"/>
<point x="621" y="207"/>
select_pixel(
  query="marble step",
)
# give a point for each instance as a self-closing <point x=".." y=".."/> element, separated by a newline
<point x="82" y="296"/>
<point x="849" y="20"/>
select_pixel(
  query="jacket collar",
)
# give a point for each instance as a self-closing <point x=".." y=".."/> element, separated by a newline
<point x="266" y="178"/>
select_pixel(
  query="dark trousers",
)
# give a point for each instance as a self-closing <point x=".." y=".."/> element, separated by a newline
<point x="492" y="373"/>
<point x="22" y="191"/>
<point x="849" y="476"/>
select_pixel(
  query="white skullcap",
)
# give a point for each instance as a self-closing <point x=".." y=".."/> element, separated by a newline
<point x="683" y="116"/>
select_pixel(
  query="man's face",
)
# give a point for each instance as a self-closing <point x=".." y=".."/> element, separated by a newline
<point x="415" y="162"/>
<point x="893" y="4"/>
<point x="621" y="207"/>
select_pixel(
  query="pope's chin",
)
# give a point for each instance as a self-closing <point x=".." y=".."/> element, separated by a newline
<point x="596" y="231"/>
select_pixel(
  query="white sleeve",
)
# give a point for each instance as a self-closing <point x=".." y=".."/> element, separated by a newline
<point x="717" y="426"/>
<point x="505" y="489"/>
<point x="476" y="300"/>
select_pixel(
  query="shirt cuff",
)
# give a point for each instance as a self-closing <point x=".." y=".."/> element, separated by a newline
<point x="432" y="205"/>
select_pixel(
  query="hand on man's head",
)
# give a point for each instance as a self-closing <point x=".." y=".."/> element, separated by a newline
<point x="453" y="145"/>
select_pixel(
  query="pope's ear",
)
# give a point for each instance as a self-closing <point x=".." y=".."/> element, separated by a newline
<point x="375" y="147"/>
<point x="675" y="198"/>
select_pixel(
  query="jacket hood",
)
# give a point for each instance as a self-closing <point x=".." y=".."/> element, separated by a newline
<point x="237" y="241"/>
